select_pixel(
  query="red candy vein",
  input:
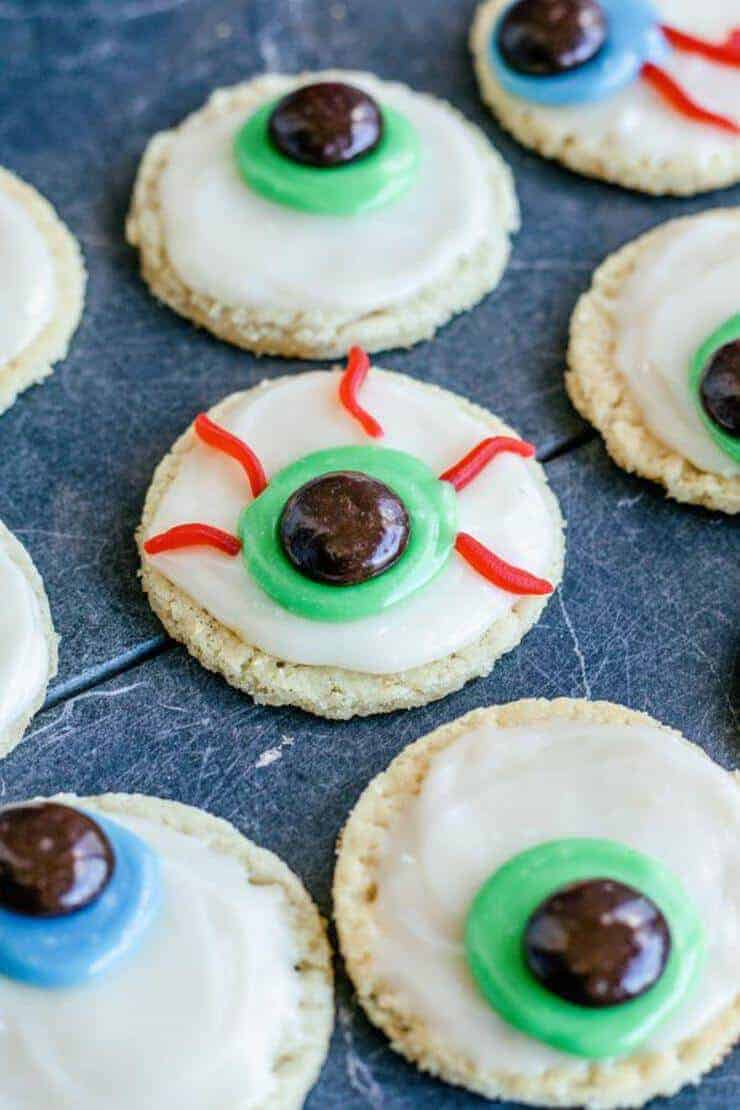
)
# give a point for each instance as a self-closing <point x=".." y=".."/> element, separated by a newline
<point x="216" y="436"/>
<point x="358" y="365"/>
<point x="193" y="535"/>
<point x="674" y="95"/>
<point x="469" y="467"/>
<point x="507" y="577"/>
<point x="727" y="53"/>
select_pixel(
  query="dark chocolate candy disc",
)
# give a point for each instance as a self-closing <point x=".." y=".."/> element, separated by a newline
<point x="545" y="37"/>
<point x="597" y="943"/>
<point x="720" y="388"/>
<point x="53" y="859"/>
<point x="343" y="528"/>
<point x="326" y="124"/>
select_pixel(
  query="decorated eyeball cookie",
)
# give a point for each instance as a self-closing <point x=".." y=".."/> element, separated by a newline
<point x="654" y="358"/>
<point x="42" y="284"/>
<point x="152" y="956"/>
<point x="541" y="901"/>
<point x="644" y="93"/>
<point x="300" y="215"/>
<point x="28" y="643"/>
<point x="349" y="542"/>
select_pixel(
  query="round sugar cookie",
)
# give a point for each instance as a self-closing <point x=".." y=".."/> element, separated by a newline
<point x="28" y="642"/>
<point x="304" y="628"/>
<point x="200" y="955"/>
<point x="647" y="337"/>
<point x="612" y="114"/>
<point x="452" y="889"/>
<point x="41" y="291"/>
<point x="273" y="263"/>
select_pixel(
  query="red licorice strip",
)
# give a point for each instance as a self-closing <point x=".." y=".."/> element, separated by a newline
<point x="193" y="535"/>
<point x="727" y="53"/>
<point x="468" y="468"/>
<point x="358" y="365"/>
<point x="501" y="574"/>
<point x="672" y="92"/>
<point x="216" y="436"/>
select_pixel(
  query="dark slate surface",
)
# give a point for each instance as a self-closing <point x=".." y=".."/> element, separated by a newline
<point x="649" y="611"/>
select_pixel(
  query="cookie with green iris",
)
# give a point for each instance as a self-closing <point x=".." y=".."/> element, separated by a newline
<point x="431" y="506"/>
<point x="528" y="906"/>
<point x="365" y="183"/>
<point x="714" y="379"/>
<point x="501" y="946"/>
<point x="299" y="215"/>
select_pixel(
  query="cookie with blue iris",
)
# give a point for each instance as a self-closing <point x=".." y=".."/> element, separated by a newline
<point x="654" y="357"/>
<point x="540" y="902"/>
<point x="638" y="92"/>
<point x="349" y="541"/>
<point x="152" y="956"/>
<point x="299" y="215"/>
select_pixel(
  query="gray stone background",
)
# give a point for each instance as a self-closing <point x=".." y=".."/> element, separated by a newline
<point x="648" y="613"/>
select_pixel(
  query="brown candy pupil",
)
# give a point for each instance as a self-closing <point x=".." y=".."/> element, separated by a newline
<point x="344" y="528"/>
<point x="545" y="37"/>
<point x="720" y="388"/>
<point x="326" y="124"/>
<point x="53" y="859"/>
<point x="597" y="943"/>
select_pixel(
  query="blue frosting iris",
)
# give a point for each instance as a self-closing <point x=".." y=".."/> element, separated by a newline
<point x="67" y="951"/>
<point x="633" y="38"/>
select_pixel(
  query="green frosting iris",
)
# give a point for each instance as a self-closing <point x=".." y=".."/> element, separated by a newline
<point x="496" y="925"/>
<point x="725" y="333"/>
<point x="430" y="504"/>
<point x="372" y="181"/>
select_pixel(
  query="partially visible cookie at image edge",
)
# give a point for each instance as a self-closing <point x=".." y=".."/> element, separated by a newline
<point x="42" y="291"/>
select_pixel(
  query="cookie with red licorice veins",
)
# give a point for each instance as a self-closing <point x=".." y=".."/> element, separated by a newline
<point x="638" y="92"/>
<point x="562" y="954"/>
<point x="355" y="547"/>
<point x="349" y="195"/>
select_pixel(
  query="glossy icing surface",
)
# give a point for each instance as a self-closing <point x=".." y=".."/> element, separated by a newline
<point x="195" y="1019"/>
<point x="684" y="287"/>
<point x="27" y="292"/>
<point x="504" y="507"/>
<point x="213" y="222"/>
<point x="24" y="654"/>
<point x="487" y="797"/>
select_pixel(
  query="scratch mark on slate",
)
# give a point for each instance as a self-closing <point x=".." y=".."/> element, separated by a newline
<point x="360" y="1077"/>
<point x="576" y="646"/>
<point x="271" y="755"/>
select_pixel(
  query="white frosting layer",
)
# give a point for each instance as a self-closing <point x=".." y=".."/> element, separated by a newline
<point x="504" y="508"/>
<point x="27" y="291"/>
<point x="228" y="242"/>
<point x="638" y="117"/>
<point x="684" y="287"/>
<point x="494" y="793"/>
<point x="195" y="1020"/>
<point x="24" y="653"/>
